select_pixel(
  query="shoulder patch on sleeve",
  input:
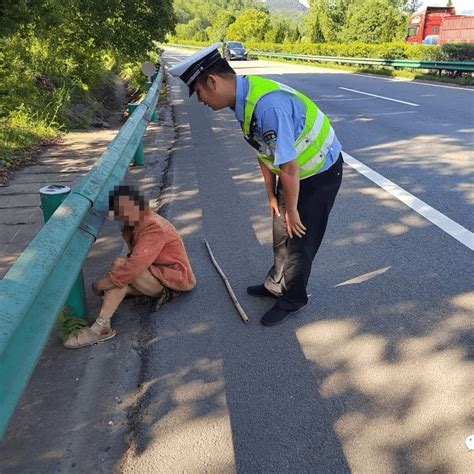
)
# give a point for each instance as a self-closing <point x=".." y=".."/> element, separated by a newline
<point x="270" y="137"/>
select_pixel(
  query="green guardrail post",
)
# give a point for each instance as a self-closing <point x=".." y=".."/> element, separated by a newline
<point x="139" y="156"/>
<point x="157" y="70"/>
<point x="153" y="118"/>
<point x="51" y="198"/>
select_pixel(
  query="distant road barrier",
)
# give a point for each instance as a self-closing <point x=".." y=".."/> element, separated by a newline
<point x="463" y="66"/>
<point x="36" y="287"/>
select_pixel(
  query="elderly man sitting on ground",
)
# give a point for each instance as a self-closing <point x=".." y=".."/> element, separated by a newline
<point x="157" y="265"/>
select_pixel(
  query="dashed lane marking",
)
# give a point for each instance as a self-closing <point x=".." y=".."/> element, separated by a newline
<point x="380" y="97"/>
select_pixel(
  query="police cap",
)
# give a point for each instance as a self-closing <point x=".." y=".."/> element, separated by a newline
<point x="193" y="66"/>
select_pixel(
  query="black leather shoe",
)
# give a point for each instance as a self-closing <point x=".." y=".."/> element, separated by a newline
<point x="259" y="290"/>
<point x="276" y="316"/>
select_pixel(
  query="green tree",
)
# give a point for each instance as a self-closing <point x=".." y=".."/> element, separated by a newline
<point x="206" y="10"/>
<point x="192" y="30"/>
<point x="17" y="14"/>
<point x="333" y="18"/>
<point x="292" y="31"/>
<point x="250" y="25"/>
<point x="277" y="30"/>
<point x="220" y="24"/>
<point x="325" y="19"/>
<point x="372" y="21"/>
<point x="125" y="27"/>
<point x="311" y="28"/>
<point x="54" y="53"/>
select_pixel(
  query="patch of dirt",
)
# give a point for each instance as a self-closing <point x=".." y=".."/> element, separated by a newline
<point x="28" y="157"/>
<point x="109" y="113"/>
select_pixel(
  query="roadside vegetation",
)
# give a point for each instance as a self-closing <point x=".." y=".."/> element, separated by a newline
<point x="327" y="26"/>
<point x="394" y="50"/>
<point x="341" y="28"/>
<point x="326" y="21"/>
<point x="58" y="60"/>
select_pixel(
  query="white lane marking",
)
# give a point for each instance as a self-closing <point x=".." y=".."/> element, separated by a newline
<point x="412" y="81"/>
<point x="373" y="76"/>
<point x="455" y="230"/>
<point x="399" y="80"/>
<point x="380" y="97"/>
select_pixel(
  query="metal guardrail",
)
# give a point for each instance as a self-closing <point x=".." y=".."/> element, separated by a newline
<point x="464" y="66"/>
<point x="186" y="46"/>
<point x="36" y="287"/>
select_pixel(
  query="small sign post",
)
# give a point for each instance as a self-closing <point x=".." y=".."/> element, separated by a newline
<point x="149" y="69"/>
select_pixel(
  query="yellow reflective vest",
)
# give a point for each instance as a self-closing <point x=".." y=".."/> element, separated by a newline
<point x="313" y="143"/>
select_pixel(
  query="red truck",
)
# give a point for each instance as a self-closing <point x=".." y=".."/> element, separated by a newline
<point x="439" y="25"/>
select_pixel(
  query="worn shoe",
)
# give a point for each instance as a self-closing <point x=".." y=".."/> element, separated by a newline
<point x="276" y="316"/>
<point x="259" y="290"/>
<point x="87" y="336"/>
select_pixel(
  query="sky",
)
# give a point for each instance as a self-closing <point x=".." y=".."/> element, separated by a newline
<point x="461" y="5"/>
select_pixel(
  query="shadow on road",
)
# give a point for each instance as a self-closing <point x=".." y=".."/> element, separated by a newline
<point x="374" y="374"/>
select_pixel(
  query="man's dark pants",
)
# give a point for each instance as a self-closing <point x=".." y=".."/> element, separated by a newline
<point x="293" y="257"/>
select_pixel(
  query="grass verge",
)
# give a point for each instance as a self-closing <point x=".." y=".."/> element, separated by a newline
<point x="68" y="324"/>
<point x="21" y="139"/>
<point x="26" y="130"/>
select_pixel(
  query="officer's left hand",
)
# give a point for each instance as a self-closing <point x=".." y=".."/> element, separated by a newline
<point x="294" y="224"/>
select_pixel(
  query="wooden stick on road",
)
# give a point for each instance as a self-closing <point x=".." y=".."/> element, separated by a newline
<point x="241" y="311"/>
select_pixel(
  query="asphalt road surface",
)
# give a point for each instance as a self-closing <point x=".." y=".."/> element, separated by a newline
<point x="375" y="374"/>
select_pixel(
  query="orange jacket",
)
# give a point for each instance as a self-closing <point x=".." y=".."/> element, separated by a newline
<point x="154" y="243"/>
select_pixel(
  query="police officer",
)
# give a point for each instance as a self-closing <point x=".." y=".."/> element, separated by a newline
<point x="301" y="162"/>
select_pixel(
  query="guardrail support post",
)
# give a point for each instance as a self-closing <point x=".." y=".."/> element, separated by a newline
<point x="139" y="156"/>
<point x="51" y="198"/>
<point x="153" y="118"/>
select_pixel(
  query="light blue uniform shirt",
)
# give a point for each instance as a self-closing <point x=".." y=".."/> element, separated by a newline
<point x="279" y="119"/>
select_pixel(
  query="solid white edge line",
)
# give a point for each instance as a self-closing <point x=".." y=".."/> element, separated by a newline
<point x="455" y="230"/>
<point x="380" y="97"/>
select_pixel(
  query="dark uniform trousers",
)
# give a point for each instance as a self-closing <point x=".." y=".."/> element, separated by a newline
<point x="293" y="258"/>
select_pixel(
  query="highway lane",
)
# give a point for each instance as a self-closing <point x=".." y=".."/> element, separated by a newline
<point x="373" y="376"/>
<point x="428" y="150"/>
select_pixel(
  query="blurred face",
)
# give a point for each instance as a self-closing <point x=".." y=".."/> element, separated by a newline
<point x="213" y="92"/>
<point x="127" y="210"/>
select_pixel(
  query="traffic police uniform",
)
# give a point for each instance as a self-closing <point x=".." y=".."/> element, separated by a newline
<point x="284" y="125"/>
